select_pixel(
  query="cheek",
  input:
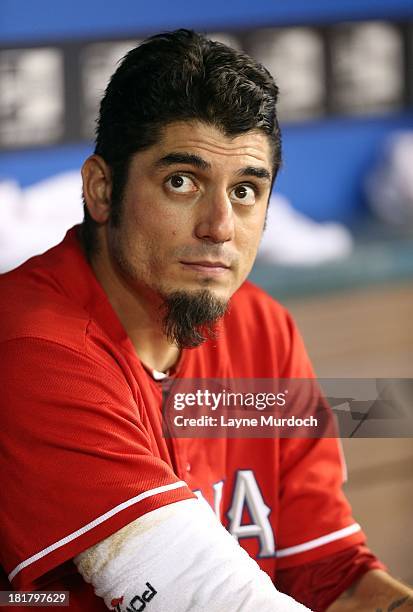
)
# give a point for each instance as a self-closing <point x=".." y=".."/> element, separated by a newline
<point x="250" y="237"/>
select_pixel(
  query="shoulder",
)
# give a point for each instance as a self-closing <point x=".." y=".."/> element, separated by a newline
<point x="32" y="305"/>
<point x="50" y="321"/>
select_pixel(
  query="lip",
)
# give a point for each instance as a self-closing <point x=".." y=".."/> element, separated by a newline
<point x="206" y="267"/>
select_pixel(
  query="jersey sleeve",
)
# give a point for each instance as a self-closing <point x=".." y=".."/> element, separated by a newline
<point x="77" y="458"/>
<point x="319" y="583"/>
<point x="315" y="517"/>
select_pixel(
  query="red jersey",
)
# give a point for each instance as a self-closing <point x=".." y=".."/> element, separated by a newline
<point x="81" y="447"/>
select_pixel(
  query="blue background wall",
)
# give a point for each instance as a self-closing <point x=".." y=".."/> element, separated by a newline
<point x="47" y="19"/>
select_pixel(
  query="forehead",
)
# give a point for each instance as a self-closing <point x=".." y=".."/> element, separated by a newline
<point x="210" y="143"/>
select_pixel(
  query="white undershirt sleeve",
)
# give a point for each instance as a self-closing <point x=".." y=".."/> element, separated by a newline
<point x="181" y="559"/>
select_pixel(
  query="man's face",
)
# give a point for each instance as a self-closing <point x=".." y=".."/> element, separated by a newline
<point x="193" y="211"/>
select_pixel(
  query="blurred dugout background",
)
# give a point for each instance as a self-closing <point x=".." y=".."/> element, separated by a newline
<point x="345" y="73"/>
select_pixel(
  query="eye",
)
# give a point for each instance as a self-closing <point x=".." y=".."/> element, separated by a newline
<point x="179" y="183"/>
<point x="243" y="194"/>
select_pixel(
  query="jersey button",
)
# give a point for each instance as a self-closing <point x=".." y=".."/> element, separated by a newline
<point x="188" y="467"/>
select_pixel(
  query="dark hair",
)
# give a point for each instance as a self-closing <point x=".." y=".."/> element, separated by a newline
<point x="175" y="76"/>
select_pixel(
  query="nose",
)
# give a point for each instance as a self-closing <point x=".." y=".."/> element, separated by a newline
<point x="215" y="221"/>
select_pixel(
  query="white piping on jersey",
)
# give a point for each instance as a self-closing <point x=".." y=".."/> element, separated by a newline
<point x="325" y="539"/>
<point x="94" y="523"/>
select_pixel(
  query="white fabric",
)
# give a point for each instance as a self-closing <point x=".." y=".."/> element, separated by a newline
<point x="181" y="559"/>
<point x="389" y="184"/>
<point x="291" y="238"/>
<point x="37" y="218"/>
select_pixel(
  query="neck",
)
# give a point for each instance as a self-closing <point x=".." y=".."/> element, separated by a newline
<point x="139" y="313"/>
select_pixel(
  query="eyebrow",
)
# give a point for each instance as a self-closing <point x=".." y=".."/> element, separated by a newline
<point x="182" y="158"/>
<point x="260" y="173"/>
<point x="195" y="160"/>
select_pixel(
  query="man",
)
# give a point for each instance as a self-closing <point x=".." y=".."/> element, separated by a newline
<point x="149" y="289"/>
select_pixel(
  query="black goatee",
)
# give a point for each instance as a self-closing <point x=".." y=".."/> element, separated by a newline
<point x="190" y="318"/>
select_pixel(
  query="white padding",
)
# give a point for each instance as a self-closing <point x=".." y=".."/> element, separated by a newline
<point x="181" y="559"/>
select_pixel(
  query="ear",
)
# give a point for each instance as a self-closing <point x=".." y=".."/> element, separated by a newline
<point x="97" y="187"/>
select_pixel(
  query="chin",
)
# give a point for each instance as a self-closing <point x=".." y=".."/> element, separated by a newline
<point x="218" y="293"/>
<point x="210" y="285"/>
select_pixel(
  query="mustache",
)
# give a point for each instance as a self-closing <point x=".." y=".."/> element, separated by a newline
<point x="207" y="251"/>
